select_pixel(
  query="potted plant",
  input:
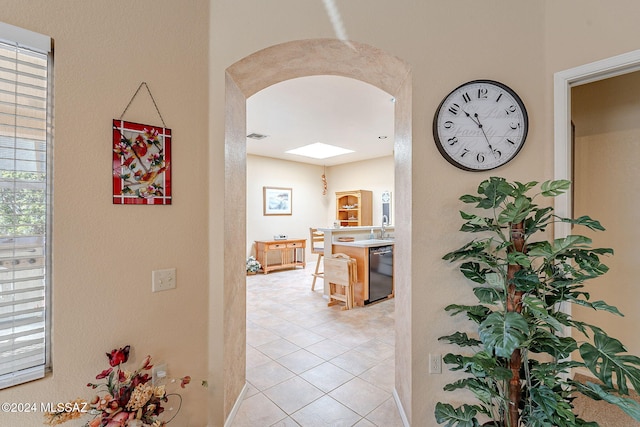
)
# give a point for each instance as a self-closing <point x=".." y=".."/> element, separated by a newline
<point x="253" y="265"/>
<point x="518" y="361"/>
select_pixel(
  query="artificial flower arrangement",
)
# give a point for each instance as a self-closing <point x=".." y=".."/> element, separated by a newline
<point x="253" y="265"/>
<point x="125" y="399"/>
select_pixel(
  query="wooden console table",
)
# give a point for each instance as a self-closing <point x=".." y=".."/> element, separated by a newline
<point x="292" y="253"/>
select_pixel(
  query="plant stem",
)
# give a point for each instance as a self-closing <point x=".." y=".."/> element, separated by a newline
<point x="514" y="304"/>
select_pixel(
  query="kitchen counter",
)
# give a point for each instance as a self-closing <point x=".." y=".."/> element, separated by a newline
<point x="366" y="243"/>
<point x="360" y="235"/>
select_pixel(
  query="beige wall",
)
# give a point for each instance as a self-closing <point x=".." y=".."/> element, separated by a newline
<point x="310" y="207"/>
<point x="103" y="254"/>
<point x="607" y="187"/>
<point x="445" y="43"/>
<point x="105" y="49"/>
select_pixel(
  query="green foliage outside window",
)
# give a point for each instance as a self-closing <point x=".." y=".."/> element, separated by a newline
<point x="22" y="203"/>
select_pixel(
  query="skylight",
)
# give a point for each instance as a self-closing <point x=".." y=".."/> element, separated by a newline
<point x="319" y="151"/>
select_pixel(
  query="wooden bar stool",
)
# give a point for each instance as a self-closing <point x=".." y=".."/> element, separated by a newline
<point x="317" y="247"/>
<point x="340" y="271"/>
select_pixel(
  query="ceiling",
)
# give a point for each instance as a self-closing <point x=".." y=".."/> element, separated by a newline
<point x="333" y="110"/>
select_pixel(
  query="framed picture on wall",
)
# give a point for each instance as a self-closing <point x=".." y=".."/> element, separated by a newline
<point x="141" y="158"/>
<point x="276" y="201"/>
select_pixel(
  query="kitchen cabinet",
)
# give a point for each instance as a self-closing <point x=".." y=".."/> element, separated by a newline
<point x="354" y="208"/>
<point x="291" y="253"/>
<point x="359" y="250"/>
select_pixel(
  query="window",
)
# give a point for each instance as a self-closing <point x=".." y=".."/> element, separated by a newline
<point x="25" y="182"/>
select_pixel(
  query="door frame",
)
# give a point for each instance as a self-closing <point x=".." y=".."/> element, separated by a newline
<point x="563" y="81"/>
<point x="250" y="75"/>
<point x="563" y="155"/>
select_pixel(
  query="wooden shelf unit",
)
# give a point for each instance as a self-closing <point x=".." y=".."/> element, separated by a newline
<point x="291" y="251"/>
<point x="354" y="208"/>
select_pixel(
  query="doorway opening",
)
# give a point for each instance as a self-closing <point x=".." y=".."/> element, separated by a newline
<point x="306" y="360"/>
<point x="247" y="77"/>
<point x="573" y="157"/>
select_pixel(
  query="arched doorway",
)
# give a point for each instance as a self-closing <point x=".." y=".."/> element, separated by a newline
<point x="256" y="72"/>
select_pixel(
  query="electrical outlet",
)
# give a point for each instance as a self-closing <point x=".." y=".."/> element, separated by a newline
<point x="435" y="363"/>
<point x="158" y="373"/>
<point x="162" y="280"/>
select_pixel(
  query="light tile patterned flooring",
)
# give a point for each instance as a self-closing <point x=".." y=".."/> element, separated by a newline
<point x="311" y="365"/>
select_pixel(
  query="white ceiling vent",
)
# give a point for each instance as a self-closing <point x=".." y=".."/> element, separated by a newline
<point x="257" y="136"/>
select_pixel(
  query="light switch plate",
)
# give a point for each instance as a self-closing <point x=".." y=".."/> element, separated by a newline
<point x="162" y="280"/>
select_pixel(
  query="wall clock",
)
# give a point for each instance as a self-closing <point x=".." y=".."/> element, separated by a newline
<point x="480" y="125"/>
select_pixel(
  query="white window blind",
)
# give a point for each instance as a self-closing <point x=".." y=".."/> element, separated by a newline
<point x="25" y="128"/>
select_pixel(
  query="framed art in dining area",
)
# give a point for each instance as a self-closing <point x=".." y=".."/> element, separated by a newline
<point x="276" y="201"/>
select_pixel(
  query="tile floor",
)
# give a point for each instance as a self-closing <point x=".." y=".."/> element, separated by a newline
<point x="311" y="365"/>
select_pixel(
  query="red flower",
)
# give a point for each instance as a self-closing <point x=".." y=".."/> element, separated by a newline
<point x="104" y="374"/>
<point x="140" y="379"/>
<point x="146" y="363"/>
<point x="185" y="380"/>
<point x="119" y="356"/>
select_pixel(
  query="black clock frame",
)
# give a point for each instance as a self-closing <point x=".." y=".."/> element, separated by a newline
<point x="516" y="97"/>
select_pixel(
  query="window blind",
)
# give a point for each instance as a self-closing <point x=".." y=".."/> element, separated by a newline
<point x="25" y="123"/>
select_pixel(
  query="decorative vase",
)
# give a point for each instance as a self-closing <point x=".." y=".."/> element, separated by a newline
<point x="251" y="273"/>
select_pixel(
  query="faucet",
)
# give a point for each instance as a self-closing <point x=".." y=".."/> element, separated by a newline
<point x="383" y="228"/>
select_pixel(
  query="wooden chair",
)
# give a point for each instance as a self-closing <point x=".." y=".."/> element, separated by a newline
<point x="340" y="270"/>
<point x="317" y="247"/>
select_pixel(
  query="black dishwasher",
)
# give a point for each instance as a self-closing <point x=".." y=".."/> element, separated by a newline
<point x="380" y="273"/>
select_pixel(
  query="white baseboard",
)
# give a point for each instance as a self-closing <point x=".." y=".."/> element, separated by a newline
<point x="403" y="416"/>
<point x="229" y="421"/>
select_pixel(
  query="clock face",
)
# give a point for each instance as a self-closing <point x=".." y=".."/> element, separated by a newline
<point x="480" y="125"/>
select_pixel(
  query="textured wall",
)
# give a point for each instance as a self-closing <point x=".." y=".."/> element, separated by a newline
<point x="103" y="254"/>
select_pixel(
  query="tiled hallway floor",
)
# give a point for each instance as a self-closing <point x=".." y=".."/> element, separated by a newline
<point x="311" y="365"/>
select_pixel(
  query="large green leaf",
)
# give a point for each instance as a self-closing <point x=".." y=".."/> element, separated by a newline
<point x="569" y="242"/>
<point x="538" y="221"/>
<point x="603" y="359"/>
<point x="476" y="250"/>
<point x="480" y="364"/>
<point x="502" y="333"/>
<point x="495" y="280"/>
<point x="584" y="220"/>
<point x="540" y="249"/>
<point x="630" y="406"/>
<point x="479" y="388"/>
<point x="526" y="280"/>
<point x="520" y="188"/>
<point x="519" y="258"/>
<point x="516" y="211"/>
<point x="476" y="224"/>
<point x="539" y="309"/>
<point x="463" y="416"/>
<point x="495" y="191"/>
<point x="598" y="305"/>
<point x="477" y="313"/>
<point x="488" y="295"/>
<point x="473" y="271"/>
<point x="555" y="188"/>
<point x="551" y="407"/>
<point x="461" y="339"/>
